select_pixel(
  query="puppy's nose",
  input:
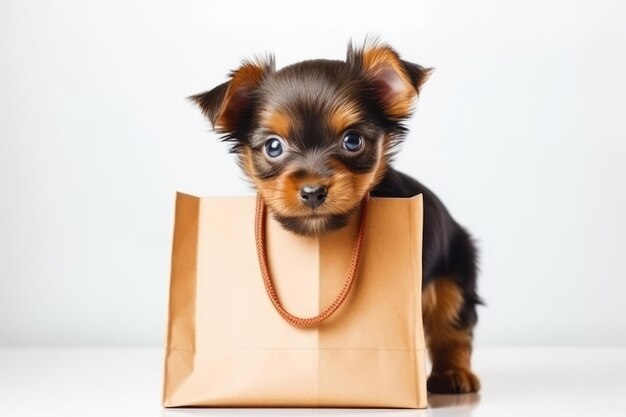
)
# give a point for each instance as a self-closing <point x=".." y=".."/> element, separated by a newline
<point x="313" y="195"/>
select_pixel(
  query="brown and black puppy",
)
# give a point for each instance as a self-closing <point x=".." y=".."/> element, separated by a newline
<point x="315" y="137"/>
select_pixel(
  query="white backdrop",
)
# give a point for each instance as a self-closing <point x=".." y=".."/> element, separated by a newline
<point x="520" y="131"/>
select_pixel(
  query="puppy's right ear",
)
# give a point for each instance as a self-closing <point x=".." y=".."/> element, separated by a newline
<point x="227" y="104"/>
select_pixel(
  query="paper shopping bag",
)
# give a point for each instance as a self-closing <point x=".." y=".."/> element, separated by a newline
<point x="249" y="302"/>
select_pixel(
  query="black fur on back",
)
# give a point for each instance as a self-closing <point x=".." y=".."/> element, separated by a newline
<point x="448" y="249"/>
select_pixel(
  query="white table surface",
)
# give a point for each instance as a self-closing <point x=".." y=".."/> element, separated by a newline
<point x="127" y="382"/>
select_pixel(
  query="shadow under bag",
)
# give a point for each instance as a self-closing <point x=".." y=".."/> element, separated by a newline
<point x="261" y="317"/>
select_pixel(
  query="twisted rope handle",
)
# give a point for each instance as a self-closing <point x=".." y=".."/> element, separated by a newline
<point x="259" y="228"/>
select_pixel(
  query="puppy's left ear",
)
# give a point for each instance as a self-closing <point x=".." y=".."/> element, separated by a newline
<point x="395" y="82"/>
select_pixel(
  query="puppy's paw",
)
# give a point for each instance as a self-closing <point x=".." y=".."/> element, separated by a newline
<point x="454" y="381"/>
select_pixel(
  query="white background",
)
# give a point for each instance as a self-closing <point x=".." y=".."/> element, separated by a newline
<point x="520" y="131"/>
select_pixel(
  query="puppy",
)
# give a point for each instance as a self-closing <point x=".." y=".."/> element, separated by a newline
<point x="315" y="137"/>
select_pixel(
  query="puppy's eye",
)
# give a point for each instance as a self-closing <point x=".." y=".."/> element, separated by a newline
<point x="273" y="147"/>
<point x="352" y="142"/>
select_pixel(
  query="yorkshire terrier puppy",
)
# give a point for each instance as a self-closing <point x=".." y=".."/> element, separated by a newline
<point x="315" y="137"/>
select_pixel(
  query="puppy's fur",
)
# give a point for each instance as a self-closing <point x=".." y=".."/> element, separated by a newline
<point x="298" y="129"/>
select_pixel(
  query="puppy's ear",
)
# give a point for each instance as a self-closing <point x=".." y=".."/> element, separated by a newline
<point x="227" y="104"/>
<point x="396" y="83"/>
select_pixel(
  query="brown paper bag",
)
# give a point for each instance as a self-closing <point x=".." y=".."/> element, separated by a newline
<point x="227" y="346"/>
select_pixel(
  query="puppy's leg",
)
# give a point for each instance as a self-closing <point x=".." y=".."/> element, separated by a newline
<point x="449" y="337"/>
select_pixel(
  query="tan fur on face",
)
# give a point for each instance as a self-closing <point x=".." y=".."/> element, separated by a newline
<point x="281" y="193"/>
<point x="277" y="122"/>
<point x="343" y="115"/>
<point x="345" y="191"/>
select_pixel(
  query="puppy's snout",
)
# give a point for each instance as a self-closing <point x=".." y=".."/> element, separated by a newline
<point x="313" y="195"/>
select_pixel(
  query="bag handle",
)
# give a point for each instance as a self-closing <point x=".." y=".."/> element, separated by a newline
<point x="259" y="224"/>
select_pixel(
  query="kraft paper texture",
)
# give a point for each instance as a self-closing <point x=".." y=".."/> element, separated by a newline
<point x="227" y="346"/>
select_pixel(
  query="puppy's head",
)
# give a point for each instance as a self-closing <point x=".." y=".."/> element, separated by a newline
<point x="316" y="136"/>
